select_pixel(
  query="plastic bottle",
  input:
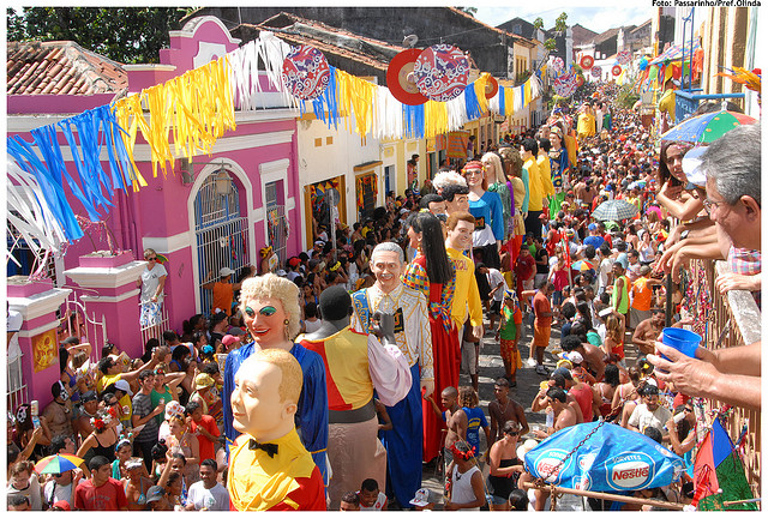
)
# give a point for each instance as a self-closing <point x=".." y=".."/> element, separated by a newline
<point x="34" y="411"/>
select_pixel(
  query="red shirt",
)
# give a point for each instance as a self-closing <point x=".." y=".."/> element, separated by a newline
<point x="583" y="397"/>
<point x="109" y="496"/>
<point x="207" y="450"/>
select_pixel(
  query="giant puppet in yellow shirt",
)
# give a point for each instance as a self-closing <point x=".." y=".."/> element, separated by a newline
<point x="269" y="467"/>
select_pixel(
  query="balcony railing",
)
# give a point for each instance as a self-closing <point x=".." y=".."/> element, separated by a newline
<point x="724" y="321"/>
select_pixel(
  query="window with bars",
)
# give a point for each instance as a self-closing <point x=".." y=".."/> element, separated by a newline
<point x="277" y="226"/>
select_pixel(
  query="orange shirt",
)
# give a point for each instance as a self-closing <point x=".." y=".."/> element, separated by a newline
<point x="541" y="305"/>
<point x="222" y="297"/>
<point x="642" y="294"/>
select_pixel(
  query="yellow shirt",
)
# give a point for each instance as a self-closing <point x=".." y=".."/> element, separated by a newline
<point x="260" y="482"/>
<point x="535" y="187"/>
<point x="106" y="380"/>
<point x="545" y="168"/>
<point x="466" y="300"/>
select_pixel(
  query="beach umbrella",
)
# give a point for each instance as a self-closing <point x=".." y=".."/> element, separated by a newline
<point x="582" y="266"/>
<point x="615" y="210"/>
<point x="718" y="468"/>
<point x="612" y="459"/>
<point x="707" y="128"/>
<point x="58" y="463"/>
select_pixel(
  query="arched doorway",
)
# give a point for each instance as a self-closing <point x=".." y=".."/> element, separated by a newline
<point x="221" y="233"/>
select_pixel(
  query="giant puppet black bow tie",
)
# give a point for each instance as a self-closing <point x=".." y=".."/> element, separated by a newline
<point x="270" y="448"/>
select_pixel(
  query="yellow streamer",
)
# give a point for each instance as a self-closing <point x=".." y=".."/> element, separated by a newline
<point x="509" y="101"/>
<point x="435" y="118"/>
<point x="356" y="94"/>
<point x="527" y="92"/>
<point x="129" y="116"/>
<point x="128" y="134"/>
<point x="480" y="84"/>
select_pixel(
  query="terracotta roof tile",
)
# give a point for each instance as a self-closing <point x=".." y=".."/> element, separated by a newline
<point x="61" y="68"/>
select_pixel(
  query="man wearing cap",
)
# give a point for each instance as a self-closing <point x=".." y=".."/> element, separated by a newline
<point x="223" y="290"/>
<point x="89" y="406"/>
<point x="316" y="251"/>
<point x="594" y="239"/>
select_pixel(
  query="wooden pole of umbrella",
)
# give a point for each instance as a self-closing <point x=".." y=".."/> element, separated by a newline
<point x="665" y="505"/>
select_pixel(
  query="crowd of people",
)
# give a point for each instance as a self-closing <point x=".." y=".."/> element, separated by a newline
<point x="503" y="245"/>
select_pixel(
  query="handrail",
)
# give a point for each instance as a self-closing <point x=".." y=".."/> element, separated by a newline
<point x="730" y="319"/>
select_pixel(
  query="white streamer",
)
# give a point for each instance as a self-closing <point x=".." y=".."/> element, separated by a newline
<point x="31" y="217"/>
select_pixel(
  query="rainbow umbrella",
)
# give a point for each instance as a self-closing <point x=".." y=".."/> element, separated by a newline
<point x="582" y="266"/>
<point x="707" y="128"/>
<point x="161" y="258"/>
<point x="58" y="463"/>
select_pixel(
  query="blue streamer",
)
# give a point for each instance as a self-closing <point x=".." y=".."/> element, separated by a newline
<point x="502" y="101"/>
<point x="104" y="120"/>
<point x="120" y="149"/>
<point x="88" y="127"/>
<point x="470" y="100"/>
<point x="89" y="178"/>
<point x="326" y="107"/>
<point x="414" y="120"/>
<point x="47" y="143"/>
<point x="53" y="194"/>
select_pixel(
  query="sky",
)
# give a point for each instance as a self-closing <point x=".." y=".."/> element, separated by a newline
<point x="597" y="16"/>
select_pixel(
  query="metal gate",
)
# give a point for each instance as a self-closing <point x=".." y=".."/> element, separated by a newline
<point x="221" y="234"/>
<point x="277" y="224"/>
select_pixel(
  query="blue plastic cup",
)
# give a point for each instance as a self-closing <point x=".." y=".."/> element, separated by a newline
<point x="682" y="340"/>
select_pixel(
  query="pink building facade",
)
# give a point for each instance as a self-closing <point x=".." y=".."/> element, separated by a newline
<point x="214" y="211"/>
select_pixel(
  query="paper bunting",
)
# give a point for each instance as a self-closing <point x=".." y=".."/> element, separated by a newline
<point x="198" y="108"/>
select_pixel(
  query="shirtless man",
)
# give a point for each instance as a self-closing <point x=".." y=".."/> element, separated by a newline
<point x="565" y="416"/>
<point x="648" y="331"/>
<point x="455" y="419"/>
<point x="503" y="409"/>
<point x="593" y="356"/>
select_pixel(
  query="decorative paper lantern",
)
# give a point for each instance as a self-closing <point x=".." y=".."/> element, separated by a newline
<point x="441" y="72"/>
<point x="402" y="81"/>
<point x="586" y="62"/>
<point x="616" y="70"/>
<point x="624" y="57"/>
<point x="558" y="64"/>
<point x="596" y="71"/>
<point x="579" y="80"/>
<point x="306" y="73"/>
